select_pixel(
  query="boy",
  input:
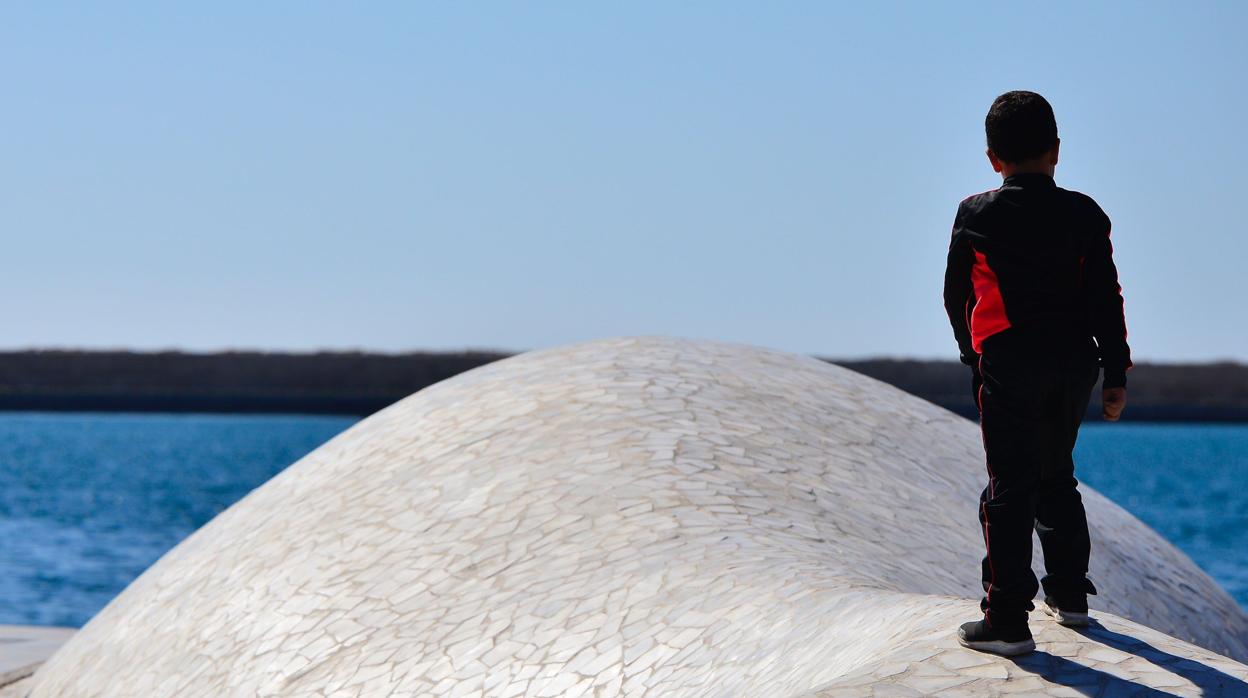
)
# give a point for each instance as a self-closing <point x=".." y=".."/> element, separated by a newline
<point x="1032" y="293"/>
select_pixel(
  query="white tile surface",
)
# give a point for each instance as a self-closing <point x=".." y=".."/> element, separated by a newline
<point x="641" y="515"/>
<point x="25" y="647"/>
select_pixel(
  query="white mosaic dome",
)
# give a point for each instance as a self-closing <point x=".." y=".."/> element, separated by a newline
<point x="626" y="516"/>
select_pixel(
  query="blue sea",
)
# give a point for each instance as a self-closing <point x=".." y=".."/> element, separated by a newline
<point x="88" y="501"/>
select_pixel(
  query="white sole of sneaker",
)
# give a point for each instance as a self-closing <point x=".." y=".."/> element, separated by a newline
<point x="1008" y="649"/>
<point x="1067" y="618"/>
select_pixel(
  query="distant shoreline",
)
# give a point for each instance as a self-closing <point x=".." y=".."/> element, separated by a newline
<point x="356" y="383"/>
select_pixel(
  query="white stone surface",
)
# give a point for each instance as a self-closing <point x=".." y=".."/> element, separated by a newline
<point x="630" y="516"/>
<point x="25" y="647"/>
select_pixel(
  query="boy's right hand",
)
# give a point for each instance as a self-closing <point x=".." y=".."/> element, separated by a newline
<point x="1112" y="401"/>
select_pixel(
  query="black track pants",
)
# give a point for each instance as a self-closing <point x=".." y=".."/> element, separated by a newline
<point x="1029" y="417"/>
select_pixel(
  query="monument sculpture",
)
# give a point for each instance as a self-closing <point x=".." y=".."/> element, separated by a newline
<point x="637" y="515"/>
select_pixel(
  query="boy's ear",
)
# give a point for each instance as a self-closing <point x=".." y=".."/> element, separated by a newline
<point x="996" y="161"/>
<point x="1057" y="144"/>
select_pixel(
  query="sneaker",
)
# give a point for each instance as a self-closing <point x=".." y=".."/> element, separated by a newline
<point x="1071" y="615"/>
<point x="1009" y="642"/>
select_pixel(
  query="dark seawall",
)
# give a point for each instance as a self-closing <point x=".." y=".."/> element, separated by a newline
<point x="358" y="383"/>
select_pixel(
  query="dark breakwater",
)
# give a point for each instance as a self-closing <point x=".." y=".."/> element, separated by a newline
<point x="357" y="383"/>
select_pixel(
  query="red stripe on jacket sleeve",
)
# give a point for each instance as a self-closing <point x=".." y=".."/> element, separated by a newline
<point x="988" y="316"/>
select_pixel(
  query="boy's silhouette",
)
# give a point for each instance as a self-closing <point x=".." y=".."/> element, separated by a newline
<point x="1033" y="296"/>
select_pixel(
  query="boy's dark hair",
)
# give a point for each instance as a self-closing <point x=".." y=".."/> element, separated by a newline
<point x="1020" y="126"/>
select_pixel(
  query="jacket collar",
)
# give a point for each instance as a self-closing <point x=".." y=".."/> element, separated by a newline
<point x="1029" y="179"/>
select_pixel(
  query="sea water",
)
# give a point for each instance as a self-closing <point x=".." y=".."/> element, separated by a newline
<point x="88" y="501"/>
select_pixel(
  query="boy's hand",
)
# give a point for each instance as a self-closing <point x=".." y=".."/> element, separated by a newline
<point x="1113" y="400"/>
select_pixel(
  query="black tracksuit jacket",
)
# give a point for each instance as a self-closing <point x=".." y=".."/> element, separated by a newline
<point x="1031" y="276"/>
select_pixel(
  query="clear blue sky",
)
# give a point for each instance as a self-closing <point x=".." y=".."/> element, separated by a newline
<point x="520" y="175"/>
